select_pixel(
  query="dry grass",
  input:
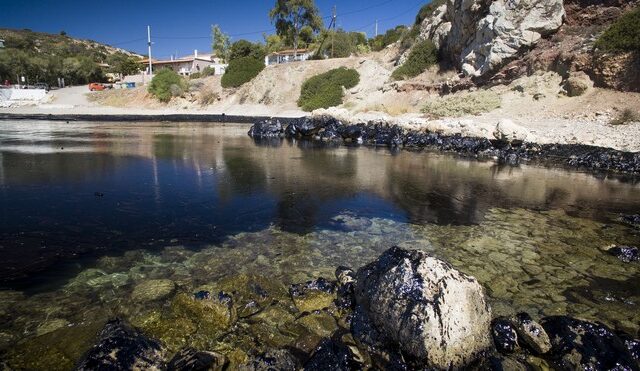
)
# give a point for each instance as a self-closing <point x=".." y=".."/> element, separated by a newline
<point x="626" y="117"/>
<point x="463" y="104"/>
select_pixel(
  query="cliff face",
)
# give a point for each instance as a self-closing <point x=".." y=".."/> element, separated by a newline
<point x="479" y="36"/>
<point x="498" y="41"/>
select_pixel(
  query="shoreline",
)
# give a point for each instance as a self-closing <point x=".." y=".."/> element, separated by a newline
<point x="573" y="156"/>
<point x="172" y="117"/>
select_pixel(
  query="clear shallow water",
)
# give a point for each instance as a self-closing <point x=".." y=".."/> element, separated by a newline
<point x="90" y="212"/>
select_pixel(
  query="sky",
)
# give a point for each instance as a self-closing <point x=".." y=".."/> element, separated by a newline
<point x="180" y="27"/>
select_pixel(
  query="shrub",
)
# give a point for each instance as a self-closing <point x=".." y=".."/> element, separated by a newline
<point x="623" y="35"/>
<point x="241" y="71"/>
<point x="325" y="90"/>
<point x="167" y="84"/>
<point x="463" y="104"/>
<point x="195" y="75"/>
<point x="207" y="96"/>
<point x="627" y="116"/>
<point x="391" y="36"/>
<point x="427" y="11"/>
<point x="422" y="56"/>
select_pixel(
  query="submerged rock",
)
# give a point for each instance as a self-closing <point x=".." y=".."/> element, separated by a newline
<point x="583" y="345"/>
<point x="266" y="129"/>
<point x="189" y="359"/>
<point x="270" y="361"/>
<point x="434" y="313"/>
<point x="531" y="333"/>
<point x="346" y="286"/>
<point x="627" y="254"/>
<point x="334" y="355"/>
<point x="152" y="290"/>
<point x="633" y="220"/>
<point x="313" y="295"/>
<point x="504" y="335"/>
<point x="121" y="347"/>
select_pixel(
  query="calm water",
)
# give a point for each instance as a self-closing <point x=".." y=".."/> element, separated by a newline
<point x="90" y="211"/>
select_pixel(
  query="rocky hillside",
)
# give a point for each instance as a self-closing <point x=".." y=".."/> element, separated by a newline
<point x="61" y="44"/>
<point x="498" y="41"/>
<point x="42" y="57"/>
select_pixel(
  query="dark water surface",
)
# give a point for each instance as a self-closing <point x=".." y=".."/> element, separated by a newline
<point x="81" y="198"/>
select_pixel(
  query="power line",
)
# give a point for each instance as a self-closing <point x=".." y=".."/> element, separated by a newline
<point x="273" y="29"/>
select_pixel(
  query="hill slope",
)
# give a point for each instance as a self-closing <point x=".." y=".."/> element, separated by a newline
<point x="42" y="57"/>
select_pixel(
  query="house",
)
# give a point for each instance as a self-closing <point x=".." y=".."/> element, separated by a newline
<point x="1" y="43"/>
<point x="286" y="56"/>
<point x="185" y="66"/>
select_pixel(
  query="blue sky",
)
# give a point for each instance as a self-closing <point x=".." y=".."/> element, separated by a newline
<point x="179" y="27"/>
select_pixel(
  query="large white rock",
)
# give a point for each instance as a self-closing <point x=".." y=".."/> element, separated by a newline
<point x="433" y="312"/>
<point x="509" y="131"/>
<point x="482" y="35"/>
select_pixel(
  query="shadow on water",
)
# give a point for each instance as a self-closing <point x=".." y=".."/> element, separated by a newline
<point x="118" y="188"/>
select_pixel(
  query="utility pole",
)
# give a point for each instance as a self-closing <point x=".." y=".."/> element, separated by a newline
<point x="333" y="21"/>
<point x="376" y="28"/>
<point x="149" y="44"/>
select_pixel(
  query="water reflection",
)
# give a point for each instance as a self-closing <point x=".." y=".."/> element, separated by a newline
<point x="197" y="184"/>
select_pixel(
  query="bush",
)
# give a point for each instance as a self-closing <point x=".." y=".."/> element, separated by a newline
<point x="167" y="84"/>
<point x="427" y="11"/>
<point x="195" y="75"/>
<point x="623" y="35"/>
<point x="391" y="36"/>
<point x="422" y="56"/>
<point x="325" y="90"/>
<point x="463" y="104"/>
<point x="342" y="44"/>
<point x="241" y="71"/>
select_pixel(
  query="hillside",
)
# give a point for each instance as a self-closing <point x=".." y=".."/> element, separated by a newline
<point x="42" y="57"/>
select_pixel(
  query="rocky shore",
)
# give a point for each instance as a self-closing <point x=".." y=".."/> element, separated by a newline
<point x="406" y="310"/>
<point x="506" y="148"/>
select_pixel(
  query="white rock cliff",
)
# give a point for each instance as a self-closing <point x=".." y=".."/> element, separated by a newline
<point x="482" y="35"/>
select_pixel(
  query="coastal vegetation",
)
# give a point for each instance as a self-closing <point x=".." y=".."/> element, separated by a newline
<point x="246" y="61"/>
<point x="167" y="84"/>
<point x="422" y="56"/>
<point x="326" y="90"/>
<point x="623" y="35"/>
<point x="291" y="17"/>
<point x="458" y="105"/>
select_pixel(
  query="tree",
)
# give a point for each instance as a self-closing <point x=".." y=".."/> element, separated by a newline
<point x="290" y="16"/>
<point x="273" y="43"/>
<point x="123" y="64"/>
<point x="220" y="44"/>
<point x="244" y="48"/>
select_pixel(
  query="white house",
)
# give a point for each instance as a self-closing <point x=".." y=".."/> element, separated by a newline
<point x="286" y="56"/>
<point x="1" y="43"/>
<point x="188" y="65"/>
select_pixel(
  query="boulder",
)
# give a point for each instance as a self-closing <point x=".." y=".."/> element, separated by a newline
<point x="582" y="345"/>
<point x="121" y="347"/>
<point x="480" y="36"/>
<point x="189" y="359"/>
<point x="266" y="129"/>
<point x="577" y="84"/>
<point x="531" y="333"/>
<point x="508" y="131"/>
<point x="435" y="314"/>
